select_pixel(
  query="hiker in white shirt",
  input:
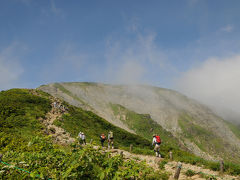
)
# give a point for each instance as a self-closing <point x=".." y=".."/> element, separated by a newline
<point x="83" y="137"/>
<point x="156" y="141"/>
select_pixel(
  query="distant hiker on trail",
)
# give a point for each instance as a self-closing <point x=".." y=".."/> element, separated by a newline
<point x="156" y="141"/>
<point x="83" y="137"/>
<point x="80" y="137"/>
<point x="102" y="139"/>
<point x="110" y="139"/>
<point x="62" y="108"/>
<point x="55" y="104"/>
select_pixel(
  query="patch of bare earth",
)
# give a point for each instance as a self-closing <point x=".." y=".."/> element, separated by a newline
<point x="59" y="135"/>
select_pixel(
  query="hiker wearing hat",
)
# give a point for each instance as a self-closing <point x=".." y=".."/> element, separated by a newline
<point x="83" y="137"/>
<point x="156" y="141"/>
<point x="102" y="139"/>
<point x="80" y="137"/>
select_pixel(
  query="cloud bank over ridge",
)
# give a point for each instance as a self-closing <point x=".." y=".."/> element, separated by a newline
<point x="215" y="83"/>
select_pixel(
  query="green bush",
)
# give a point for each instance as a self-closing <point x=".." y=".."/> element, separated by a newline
<point x="190" y="173"/>
<point x="162" y="164"/>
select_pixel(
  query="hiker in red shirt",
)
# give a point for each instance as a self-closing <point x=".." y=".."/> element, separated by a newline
<point x="102" y="139"/>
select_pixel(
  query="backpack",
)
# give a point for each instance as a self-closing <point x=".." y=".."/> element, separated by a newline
<point x="110" y="134"/>
<point x="158" y="139"/>
<point x="103" y="137"/>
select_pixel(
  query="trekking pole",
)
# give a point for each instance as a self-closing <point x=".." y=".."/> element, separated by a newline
<point x="178" y="170"/>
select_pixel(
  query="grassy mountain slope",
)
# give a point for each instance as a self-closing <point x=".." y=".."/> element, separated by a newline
<point x="143" y="125"/>
<point x="234" y="128"/>
<point x="93" y="126"/>
<point x="145" y="105"/>
<point x="24" y="144"/>
<point x="19" y="113"/>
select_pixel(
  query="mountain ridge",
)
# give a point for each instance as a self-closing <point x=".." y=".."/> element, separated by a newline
<point x="166" y="107"/>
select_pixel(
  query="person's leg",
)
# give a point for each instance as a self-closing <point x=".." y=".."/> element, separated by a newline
<point x="109" y="144"/>
<point x="112" y="144"/>
<point x="155" y="150"/>
<point x="158" y="150"/>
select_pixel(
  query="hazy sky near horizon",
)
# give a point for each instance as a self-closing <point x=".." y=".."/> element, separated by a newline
<point x="185" y="45"/>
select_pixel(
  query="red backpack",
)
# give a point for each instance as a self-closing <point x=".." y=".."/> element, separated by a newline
<point x="103" y="136"/>
<point x="158" y="139"/>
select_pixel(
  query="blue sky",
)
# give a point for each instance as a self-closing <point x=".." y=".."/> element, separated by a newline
<point x="138" y="41"/>
<point x="192" y="46"/>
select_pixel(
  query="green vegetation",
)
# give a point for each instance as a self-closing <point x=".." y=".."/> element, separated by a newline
<point x="59" y="86"/>
<point x="25" y="146"/>
<point x="143" y="125"/>
<point x="206" y="176"/>
<point x="190" y="173"/>
<point x="19" y="113"/>
<point x="44" y="160"/>
<point x="202" y="137"/>
<point x="93" y="126"/>
<point x="162" y="164"/>
<point x="234" y="128"/>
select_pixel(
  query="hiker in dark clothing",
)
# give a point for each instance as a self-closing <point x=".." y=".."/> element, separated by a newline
<point x="102" y="139"/>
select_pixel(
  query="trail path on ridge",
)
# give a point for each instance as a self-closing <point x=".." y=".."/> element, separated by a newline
<point x="170" y="167"/>
<point x="59" y="134"/>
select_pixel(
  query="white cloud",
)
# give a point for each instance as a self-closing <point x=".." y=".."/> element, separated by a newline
<point x="215" y="83"/>
<point x="10" y="67"/>
<point x="132" y="61"/>
<point x="228" y="28"/>
<point x="130" y="72"/>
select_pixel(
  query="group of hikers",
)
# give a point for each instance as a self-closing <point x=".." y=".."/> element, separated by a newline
<point x="82" y="139"/>
<point x="156" y="141"/>
<point x="57" y="106"/>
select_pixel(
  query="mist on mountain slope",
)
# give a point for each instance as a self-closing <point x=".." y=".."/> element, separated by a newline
<point x="215" y="83"/>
